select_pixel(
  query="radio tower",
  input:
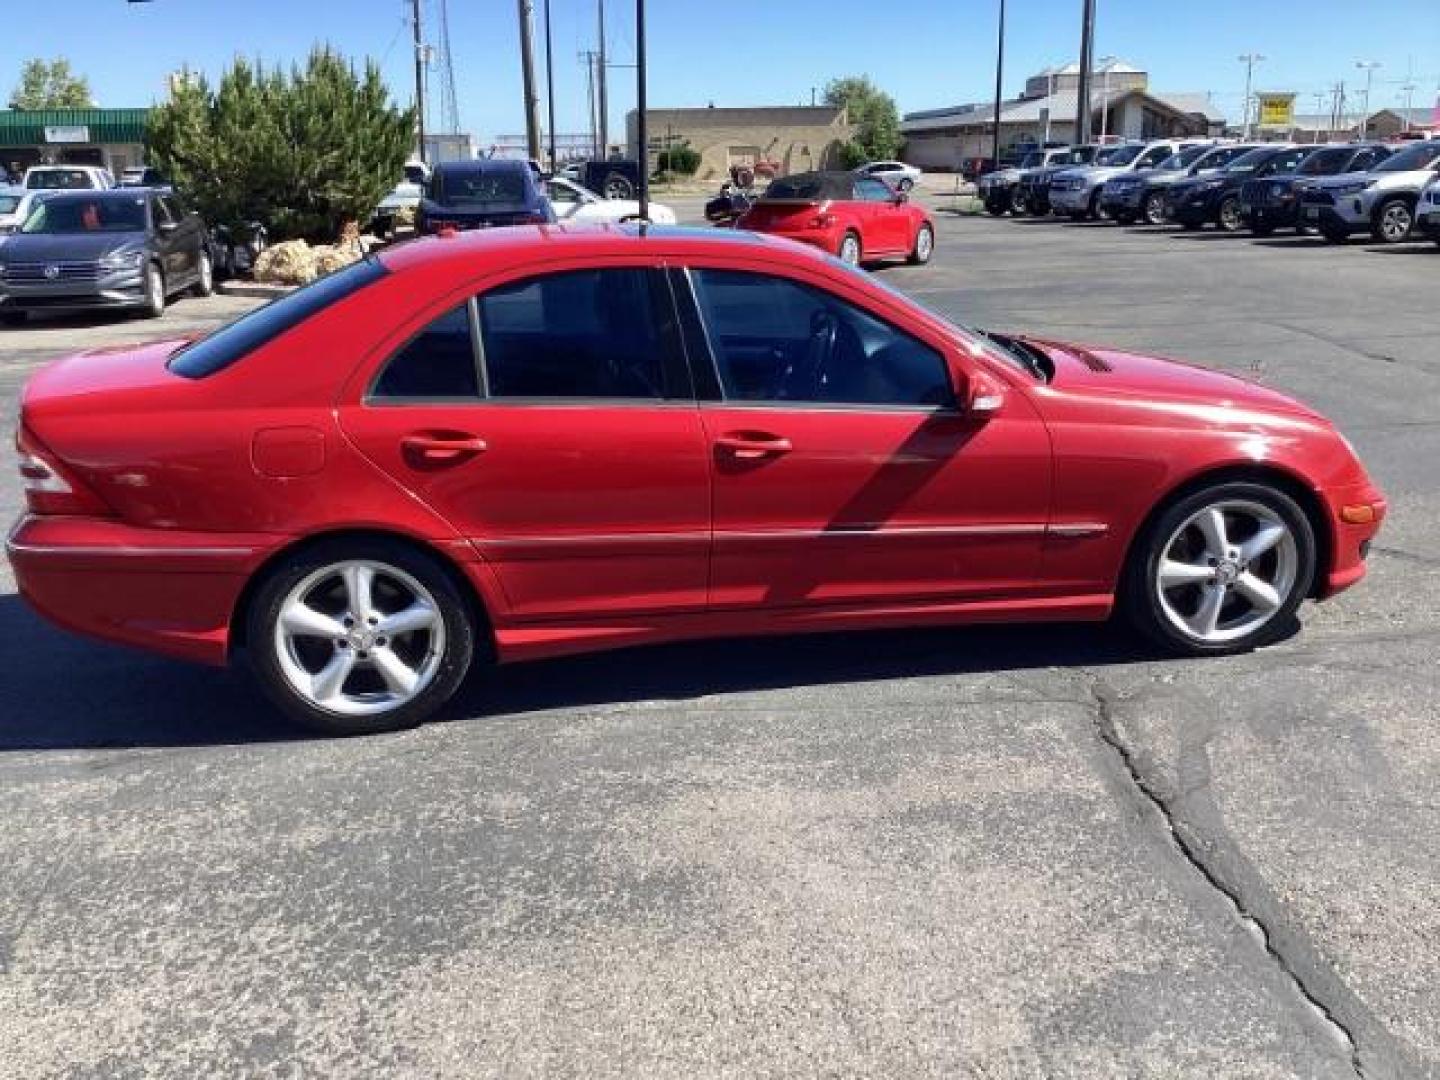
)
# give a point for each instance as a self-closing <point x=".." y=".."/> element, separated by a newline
<point x="449" y="103"/>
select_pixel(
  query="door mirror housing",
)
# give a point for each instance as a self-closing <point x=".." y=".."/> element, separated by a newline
<point x="984" y="395"/>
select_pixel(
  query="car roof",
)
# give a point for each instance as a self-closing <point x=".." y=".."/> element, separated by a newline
<point x="76" y="194"/>
<point x="544" y="243"/>
<point x="482" y="165"/>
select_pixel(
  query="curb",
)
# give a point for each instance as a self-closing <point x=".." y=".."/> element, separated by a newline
<point x="256" y="289"/>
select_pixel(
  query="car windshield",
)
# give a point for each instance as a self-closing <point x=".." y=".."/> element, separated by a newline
<point x="1119" y="155"/>
<point x="1218" y="158"/>
<point x="479" y="187"/>
<point x="1185" y="158"/>
<point x="58" y="179"/>
<point x="8" y="203"/>
<point x="1250" y="161"/>
<point x="1420" y="156"/>
<point x="112" y="215"/>
<point x="1325" y="162"/>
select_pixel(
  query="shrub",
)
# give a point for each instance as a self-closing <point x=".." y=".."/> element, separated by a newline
<point x="683" y="160"/>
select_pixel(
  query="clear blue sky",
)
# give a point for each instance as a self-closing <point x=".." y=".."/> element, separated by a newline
<point x="927" y="53"/>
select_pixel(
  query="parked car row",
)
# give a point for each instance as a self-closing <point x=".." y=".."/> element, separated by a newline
<point x="1389" y="190"/>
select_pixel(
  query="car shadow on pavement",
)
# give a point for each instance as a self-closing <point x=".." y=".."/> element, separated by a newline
<point x="61" y="692"/>
<point x="693" y="670"/>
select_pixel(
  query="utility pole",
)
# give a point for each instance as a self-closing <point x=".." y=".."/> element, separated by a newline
<point x="550" y="86"/>
<point x="1105" y="100"/>
<point x="419" y="76"/>
<point x="641" y="129"/>
<point x="1367" y="66"/>
<point x="587" y="57"/>
<point x="1249" y="60"/>
<point x="1082" y="90"/>
<point x="999" y="79"/>
<point x="604" y="97"/>
<point x="527" y="75"/>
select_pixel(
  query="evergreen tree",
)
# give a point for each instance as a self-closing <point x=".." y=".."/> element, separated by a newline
<point x="301" y="152"/>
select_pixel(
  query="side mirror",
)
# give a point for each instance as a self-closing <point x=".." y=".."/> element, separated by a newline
<point x="984" y="395"/>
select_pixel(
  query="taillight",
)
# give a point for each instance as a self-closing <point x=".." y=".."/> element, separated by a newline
<point x="48" y="489"/>
<point x="822" y="221"/>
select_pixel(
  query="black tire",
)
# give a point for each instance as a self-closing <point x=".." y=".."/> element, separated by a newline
<point x="1139" y="599"/>
<point x="1017" y="202"/>
<point x="455" y="612"/>
<point x="617" y="186"/>
<point x="920" y="254"/>
<point x="1227" y="216"/>
<point x="996" y="206"/>
<point x="1095" y="213"/>
<point x="1389" y="216"/>
<point x="205" y="283"/>
<point x="154" y="305"/>
<point x="1153" y="208"/>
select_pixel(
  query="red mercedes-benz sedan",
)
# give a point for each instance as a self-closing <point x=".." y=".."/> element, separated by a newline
<point x="858" y="218"/>
<point x="528" y="442"/>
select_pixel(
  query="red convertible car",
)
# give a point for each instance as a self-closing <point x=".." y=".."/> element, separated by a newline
<point x="858" y="218"/>
<point x="520" y="443"/>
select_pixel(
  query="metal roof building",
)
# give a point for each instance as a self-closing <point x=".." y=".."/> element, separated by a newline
<point x="112" y="138"/>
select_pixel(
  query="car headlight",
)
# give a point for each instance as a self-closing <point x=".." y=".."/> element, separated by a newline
<point x="122" y="260"/>
<point x="1353" y="188"/>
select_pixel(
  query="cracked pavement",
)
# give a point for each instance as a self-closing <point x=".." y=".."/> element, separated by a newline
<point x="994" y="852"/>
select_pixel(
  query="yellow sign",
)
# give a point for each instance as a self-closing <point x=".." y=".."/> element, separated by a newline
<point x="1277" y="110"/>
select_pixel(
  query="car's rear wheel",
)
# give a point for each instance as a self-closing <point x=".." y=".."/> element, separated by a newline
<point x="1154" y="212"/>
<point x="359" y="636"/>
<point x="205" y="281"/>
<point x="924" y="246"/>
<point x="1221" y="570"/>
<point x="154" y="305"/>
<point x="1017" y="201"/>
<point x="1393" y="222"/>
<point x="996" y="206"/>
<point x="850" y="251"/>
<point x="1095" y="213"/>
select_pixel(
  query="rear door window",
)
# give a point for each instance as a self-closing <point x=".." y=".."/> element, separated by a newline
<point x="604" y="334"/>
<point x="437" y="364"/>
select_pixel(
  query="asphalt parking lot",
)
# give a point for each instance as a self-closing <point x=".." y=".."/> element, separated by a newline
<point x="995" y="852"/>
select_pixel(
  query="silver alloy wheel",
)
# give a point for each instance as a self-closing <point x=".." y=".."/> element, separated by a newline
<point x="154" y="290"/>
<point x="1017" y="200"/>
<point x="924" y="244"/>
<point x="1395" y="223"/>
<point x="359" y="638"/>
<point x="850" y="250"/>
<point x="1155" y="208"/>
<point x="1230" y="219"/>
<point x="1226" y="571"/>
<point x="207" y="274"/>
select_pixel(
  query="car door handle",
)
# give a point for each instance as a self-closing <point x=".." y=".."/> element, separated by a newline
<point x="752" y="446"/>
<point x="442" y="448"/>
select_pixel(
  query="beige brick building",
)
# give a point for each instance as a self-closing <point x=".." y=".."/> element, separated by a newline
<point x="789" y="139"/>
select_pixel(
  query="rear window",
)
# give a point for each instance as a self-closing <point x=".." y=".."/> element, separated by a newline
<point x="479" y="187"/>
<point x="797" y="187"/>
<point x="61" y="179"/>
<point x="1420" y="156"/>
<point x="253" y="329"/>
<point x="8" y="203"/>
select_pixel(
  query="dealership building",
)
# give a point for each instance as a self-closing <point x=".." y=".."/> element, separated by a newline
<point x="783" y="139"/>
<point x="1123" y="107"/>
<point x="110" y="138"/>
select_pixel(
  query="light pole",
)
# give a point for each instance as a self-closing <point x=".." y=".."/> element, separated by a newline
<point x="1367" y="66"/>
<point x="550" y="85"/>
<point x="1082" y="89"/>
<point x="642" y="130"/>
<point x="1249" y="60"/>
<point x="999" y="77"/>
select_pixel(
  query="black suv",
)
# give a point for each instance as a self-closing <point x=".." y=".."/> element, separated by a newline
<point x="1274" y="202"/>
<point x="122" y="248"/>
<point x="1034" y="187"/>
<point x="481" y="195"/>
<point x="1215" y="199"/>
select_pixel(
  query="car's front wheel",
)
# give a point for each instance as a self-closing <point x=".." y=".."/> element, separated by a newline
<point x="205" y="276"/>
<point x="1221" y="570"/>
<point x="1228" y="216"/>
<point x="1393" y="222"/>
<point x="154" y="303"/>
<point x="1154" y="212"/>
<point x="924" y="246"/>
<point x="355" y="637"/>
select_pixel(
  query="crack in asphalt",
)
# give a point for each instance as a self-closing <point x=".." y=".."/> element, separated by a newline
<point x="1200" y="857"/>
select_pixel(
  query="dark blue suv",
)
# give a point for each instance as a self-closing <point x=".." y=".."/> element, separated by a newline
<point x="1216" y="198"/>
<point x="481" y="195"/>
<point x="1271" y="203"/>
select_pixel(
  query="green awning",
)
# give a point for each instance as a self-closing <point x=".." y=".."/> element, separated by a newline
<point x="41" y="127"/>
